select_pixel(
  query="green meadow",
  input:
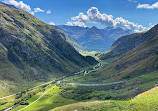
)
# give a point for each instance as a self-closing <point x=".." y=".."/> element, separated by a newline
<point x="147" y="101"/>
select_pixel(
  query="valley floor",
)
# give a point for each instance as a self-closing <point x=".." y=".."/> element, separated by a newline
<point x="86" y="95"/>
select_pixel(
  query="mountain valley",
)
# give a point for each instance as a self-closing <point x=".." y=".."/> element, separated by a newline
<point x="46" y="67"/>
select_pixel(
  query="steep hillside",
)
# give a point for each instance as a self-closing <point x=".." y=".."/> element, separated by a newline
<point x="32" y="50"/>
<point x="122" y="45"/>
<point x="146" y="101"/>
<point x="94" y="39"/>
<point x="129" y="42"/>
<point x="138" y="55"/>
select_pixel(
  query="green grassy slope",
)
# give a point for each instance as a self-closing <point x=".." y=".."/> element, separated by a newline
<point x="121" y="46"/>
<point x="31" y="50"/>
<point x="140" y="60"/>
<point x="123" y="91"/>
<point x="50" y="100"/>
<point x="147" y="101"/>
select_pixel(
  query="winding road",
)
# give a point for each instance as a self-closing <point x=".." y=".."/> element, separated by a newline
<point x="31" y="88"/>
<point x="37" y="99"/>
<point x="72" y="84"/>
<point x="111" y="83"/>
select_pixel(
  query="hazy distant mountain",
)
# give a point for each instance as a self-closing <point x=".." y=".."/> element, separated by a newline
<point x="94" y="39"/>
<point x="74" y="31"/>
<point x="115" y="32"/>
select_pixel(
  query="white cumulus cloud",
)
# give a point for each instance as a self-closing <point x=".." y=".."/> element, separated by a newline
<point x="51" y="23"/>
<point x="94" y="16"/>
<point x="79" y="23"/>
<point x="76" y="23"/>
<point x="69" y="23"/>
<point x="38" y="10"/>
<point x="148" y="6"/>
<point x="134" y="1"/>
<point x="49" y="11"/>
<point x="21" y="5"/>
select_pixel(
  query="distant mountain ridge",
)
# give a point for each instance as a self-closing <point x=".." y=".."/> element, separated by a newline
<point x="116" y="32"/>
<point x="94" y="39"/>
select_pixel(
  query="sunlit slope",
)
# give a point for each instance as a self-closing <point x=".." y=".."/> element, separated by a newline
<point x="147" y="101"/>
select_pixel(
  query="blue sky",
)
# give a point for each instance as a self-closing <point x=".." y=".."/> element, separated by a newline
<point x="63" y="10"/>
